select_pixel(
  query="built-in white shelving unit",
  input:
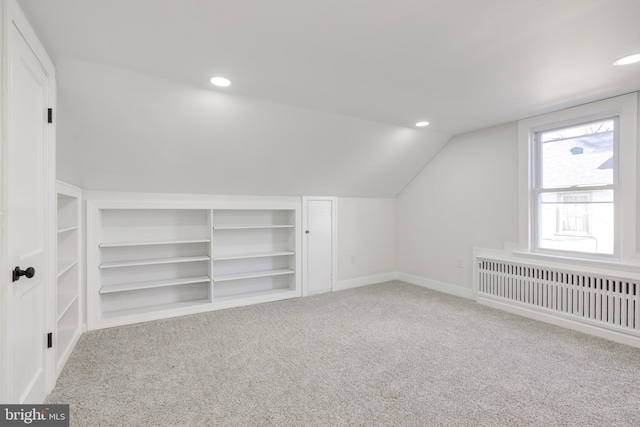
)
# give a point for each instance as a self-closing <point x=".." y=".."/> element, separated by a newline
<point x="152" y="260"/>
<point x="68" y="306"/>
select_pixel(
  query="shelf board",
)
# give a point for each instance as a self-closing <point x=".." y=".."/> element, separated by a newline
<point x="153" y="284"/>
<point x="247" y="227"/>
<point x="152" y="309"/>
<point x="253" y="275"/>
<point x="63" y="343"/>
<point x="251" y="295"/>
<point x="65" y="229"/>
<point x="151" y="243"/>
<point x="65" y="301"/>
<point x="255" y="255"/>
<point x="139" y="262"/>
<point x="65" y="264"/>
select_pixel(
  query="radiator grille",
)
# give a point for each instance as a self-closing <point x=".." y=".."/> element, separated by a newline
<point x="595" y="299"/>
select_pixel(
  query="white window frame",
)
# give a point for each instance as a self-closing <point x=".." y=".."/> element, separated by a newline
<point x="538" y="190"/>
<point x="624" y="107"/>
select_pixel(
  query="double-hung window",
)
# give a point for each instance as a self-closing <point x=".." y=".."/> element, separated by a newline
<point x="576" y="177"/>
<point x="578" y="181"/>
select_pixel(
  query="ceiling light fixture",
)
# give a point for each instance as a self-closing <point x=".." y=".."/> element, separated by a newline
<point x="422" y="124"/>
<point x="629" y="59"/>
<point x="220" y="81"/>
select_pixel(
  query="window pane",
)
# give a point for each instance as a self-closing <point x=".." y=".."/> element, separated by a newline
<point x="579" y="155"/>
<point x="577" y="221"/>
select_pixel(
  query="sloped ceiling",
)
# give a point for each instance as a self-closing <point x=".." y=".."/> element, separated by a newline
<point x="324" y="94"/>
<point x="125" y="131"/>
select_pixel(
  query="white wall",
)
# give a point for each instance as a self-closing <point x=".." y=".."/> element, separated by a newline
<point x="466" y="196"/>
<point x="367" y="236"/>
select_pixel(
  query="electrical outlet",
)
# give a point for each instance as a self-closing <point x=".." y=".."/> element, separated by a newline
<point x="459" y="263"/>
<point x="353" y="259"/>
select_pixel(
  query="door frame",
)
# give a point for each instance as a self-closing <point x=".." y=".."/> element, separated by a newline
<point x="334" y="240"/>
<point x="12" y="15"/>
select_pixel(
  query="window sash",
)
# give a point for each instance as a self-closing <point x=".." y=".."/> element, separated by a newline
<point x="538" y="190"/>
<point x="601" y="214"/>
<point x="538" y="144"/>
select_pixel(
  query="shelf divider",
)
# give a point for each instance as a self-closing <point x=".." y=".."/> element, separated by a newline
<point x="155" y="261"/>
<point x="65" y="229"/>
<point x="65" y="265"/>
<point x="247" y="227"/>
<point x="151" y="243"/>
<point x="153" y="284"/>
<point x="152" y="309"/>
<point x="253" y="275"/>
<point x="254" y="255"/>
<point x="65" y="301"/>
<point x="246" y="295"/>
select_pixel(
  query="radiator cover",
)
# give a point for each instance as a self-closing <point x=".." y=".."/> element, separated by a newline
<point x="609" y="300"/>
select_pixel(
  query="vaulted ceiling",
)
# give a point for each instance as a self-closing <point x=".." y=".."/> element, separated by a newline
<point x="324" y="94"/>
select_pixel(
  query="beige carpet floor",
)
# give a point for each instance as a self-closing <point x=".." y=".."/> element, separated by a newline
<point x="384" y="355"/>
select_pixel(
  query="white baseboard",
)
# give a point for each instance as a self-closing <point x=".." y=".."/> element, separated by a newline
<point x="560" y="321"/>
<point x="437" y="286"/>
<point x="324" y="291"/>
<point x="414" y="280"/>
<point x="364" y="281"/>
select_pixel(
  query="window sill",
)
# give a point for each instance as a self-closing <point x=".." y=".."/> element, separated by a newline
<point x="631" y="265"/>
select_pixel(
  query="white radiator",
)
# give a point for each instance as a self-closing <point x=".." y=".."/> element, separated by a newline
<point x="603" y="300"/>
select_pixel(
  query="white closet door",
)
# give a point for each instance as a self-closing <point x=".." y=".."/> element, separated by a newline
<point x="27" y="235"/>
<point x="319" y="245"/>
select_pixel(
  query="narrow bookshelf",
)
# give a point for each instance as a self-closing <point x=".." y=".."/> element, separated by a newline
<point x="68" y="307"/>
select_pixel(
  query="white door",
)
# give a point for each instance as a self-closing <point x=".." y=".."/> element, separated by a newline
<point x="318" y="245"/>
<point x="27" y="195"/>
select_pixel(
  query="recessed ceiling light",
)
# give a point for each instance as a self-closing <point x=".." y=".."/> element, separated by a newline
<point x="629" y="59"/>
<point x="422" y="124"/>
<point x="220" y="81"/>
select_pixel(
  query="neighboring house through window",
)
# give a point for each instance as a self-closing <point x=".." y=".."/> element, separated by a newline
<point x="573" y="215"/>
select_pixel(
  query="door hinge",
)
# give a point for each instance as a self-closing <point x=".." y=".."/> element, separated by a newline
<point x="50" y="340"/>
<point x="50" y="115"/>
